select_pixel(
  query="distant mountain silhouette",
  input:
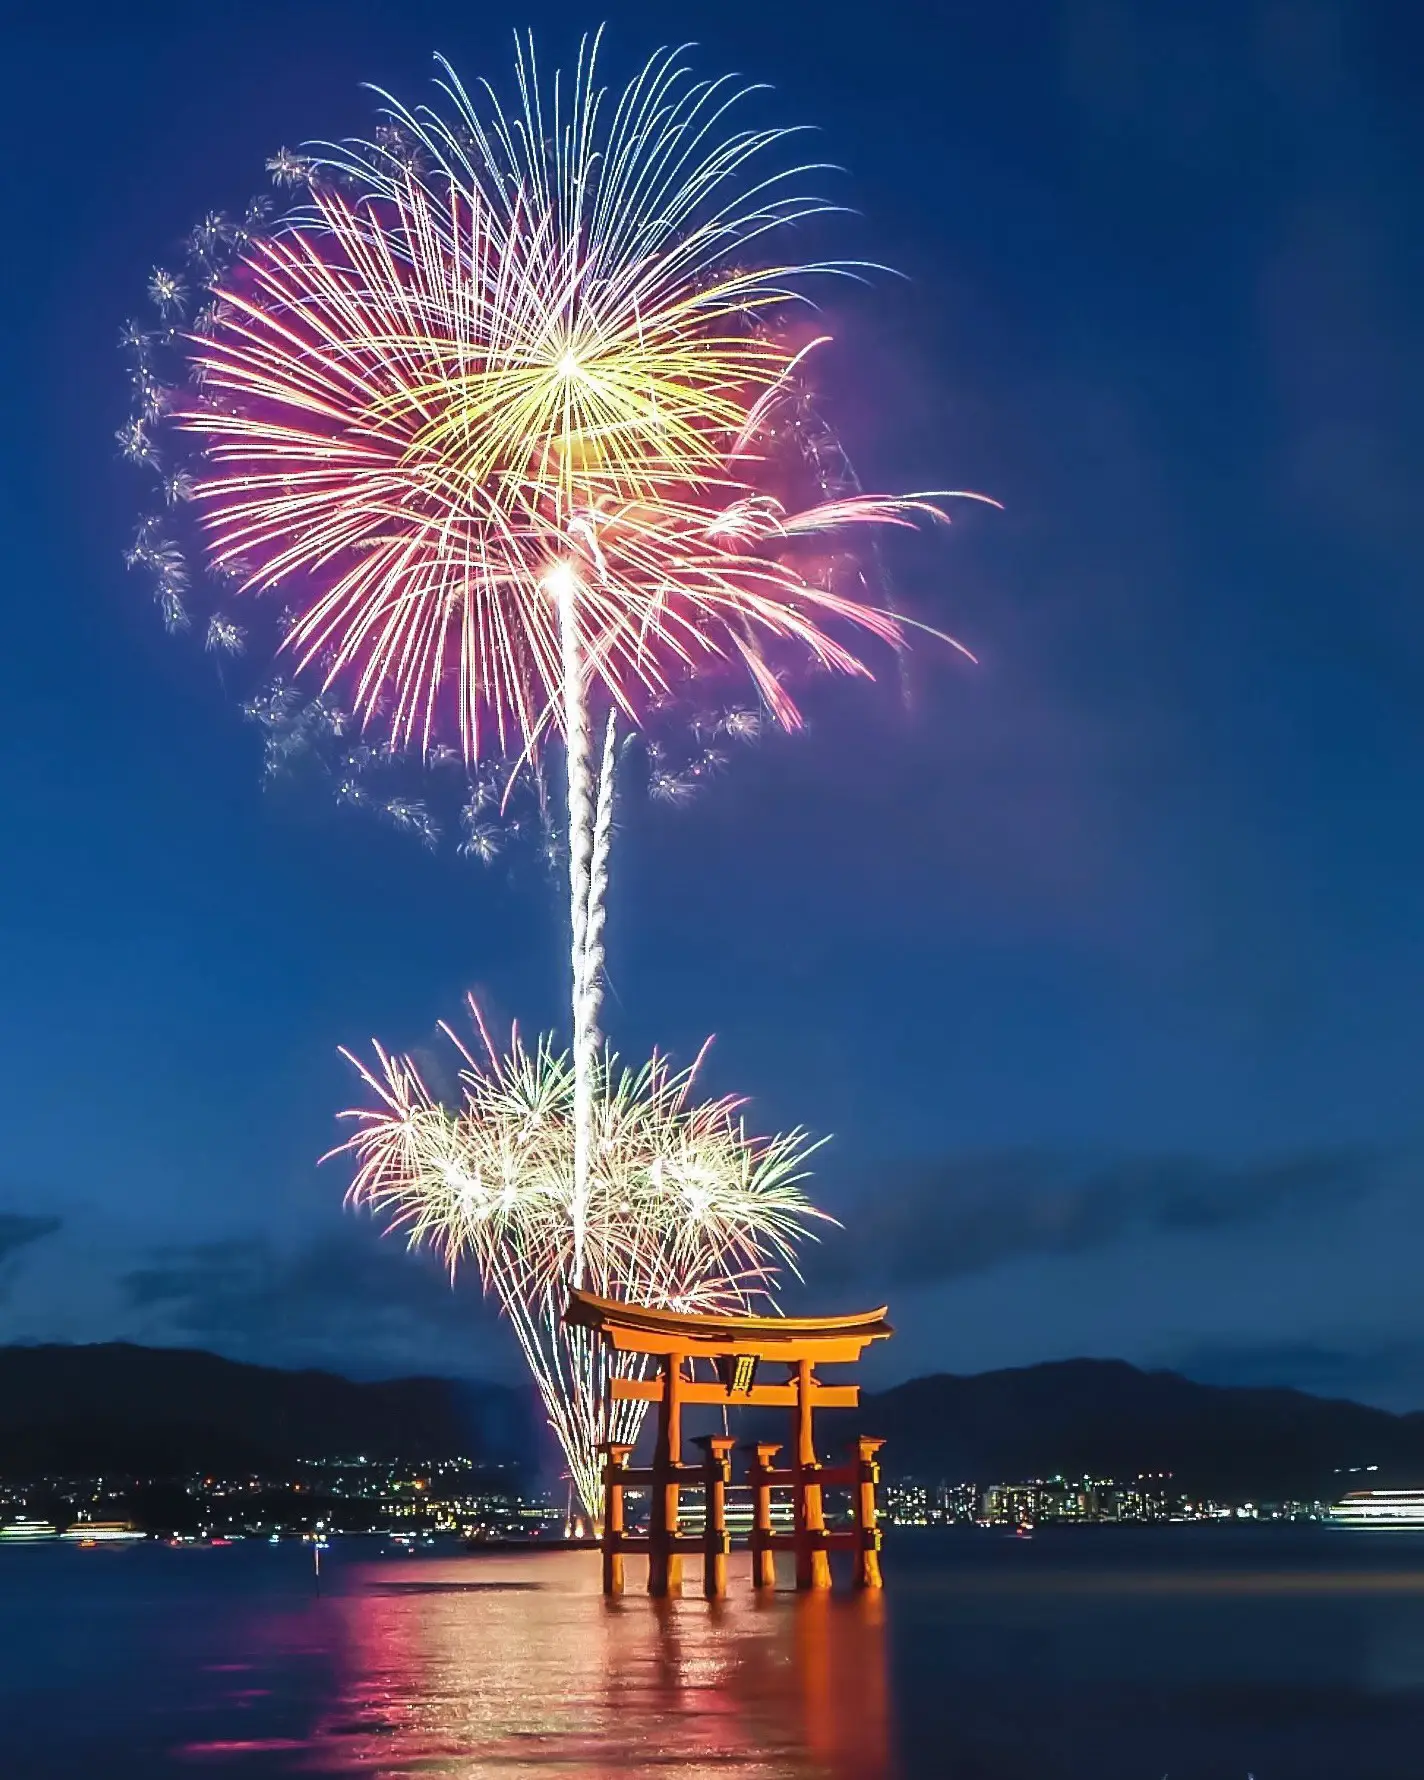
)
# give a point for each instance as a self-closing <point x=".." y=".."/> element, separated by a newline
<point x="166" y="1411"/>
<point x="121" y="1408"/>
<point x="1105" y="1418"/>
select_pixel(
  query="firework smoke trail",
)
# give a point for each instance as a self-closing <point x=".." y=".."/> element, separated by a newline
<point x="593" y="959"/>
<point x="581" y="820"/>
<point x="686" y="1209"/>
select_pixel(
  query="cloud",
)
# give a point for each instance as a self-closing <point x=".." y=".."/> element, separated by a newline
<point x="1369" y="1370"/>
<point x="967" y="1215"/>
<point x="343" y="1299"/>
<point x="18" y="1231"/>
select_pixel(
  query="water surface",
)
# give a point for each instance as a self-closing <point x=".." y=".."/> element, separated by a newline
<point x="1111" y="1654"/>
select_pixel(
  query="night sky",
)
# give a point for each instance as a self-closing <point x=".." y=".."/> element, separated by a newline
<point x="1101" y="960"/>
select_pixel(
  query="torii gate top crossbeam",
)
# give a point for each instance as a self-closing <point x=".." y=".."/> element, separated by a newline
<point x="633" y="1329"/>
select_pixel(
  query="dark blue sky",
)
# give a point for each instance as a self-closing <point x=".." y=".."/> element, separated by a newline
<point x="1102" y="960"/>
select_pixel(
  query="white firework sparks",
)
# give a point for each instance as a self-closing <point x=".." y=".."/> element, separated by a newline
<point x="168" y="292"/>
<point x="685" y="1208"/>
<point x="223" y="636"/>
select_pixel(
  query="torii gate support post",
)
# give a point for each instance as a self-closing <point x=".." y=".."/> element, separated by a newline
<point x="813" y="1561"/>
<point x="867" y="1543"/>
<point x="614" y="1522"/>
<point x="763" y="1557"/>
<point x="716" y="1475"/>
<point x="664" y="1561"/>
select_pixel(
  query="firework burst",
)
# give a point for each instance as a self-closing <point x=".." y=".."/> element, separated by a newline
<point x="507" y="376"/>
<point x="686" y="1209"/>
<point x="505" y="406"/>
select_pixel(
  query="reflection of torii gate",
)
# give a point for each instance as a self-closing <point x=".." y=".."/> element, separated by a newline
<point x="734" y="1348"/>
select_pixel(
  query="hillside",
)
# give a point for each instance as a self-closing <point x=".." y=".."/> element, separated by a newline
<point x="1106" y="1418"/>
<point x="118" y="1407"/>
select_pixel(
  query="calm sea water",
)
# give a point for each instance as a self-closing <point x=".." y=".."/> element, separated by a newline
<point x="1110" y="1654"/>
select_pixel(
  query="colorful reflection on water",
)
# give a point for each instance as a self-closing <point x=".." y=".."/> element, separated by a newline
<point x="501" y="1665"/>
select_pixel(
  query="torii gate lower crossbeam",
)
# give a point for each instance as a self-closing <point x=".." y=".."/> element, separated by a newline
<point x="735" y="1348"/>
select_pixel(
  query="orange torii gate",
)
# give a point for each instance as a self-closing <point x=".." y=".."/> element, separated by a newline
<point x="735" y="1347"/>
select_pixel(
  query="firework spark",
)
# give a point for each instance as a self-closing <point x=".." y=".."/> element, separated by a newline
<point x="686" y="1209"/>
<point x="168" y="292"/>
<point x="366" y="449"/>
<point x="224" y="637"/>
<point x="494" y="405"/>
<point x="498" y="353"/>
<point x="503" y="408"/>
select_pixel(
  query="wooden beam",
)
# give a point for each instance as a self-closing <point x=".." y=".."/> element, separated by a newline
<point x="718" y="1474"/>
<point x="867" y="1523"/>
<point x="822" y="1539"/>
<point x="813" y="1567"/>
<point x="829" y="1350"/>
<point x="694" y="1544"/>
<point x="761" y="1473"/>
<point x="761" y="1396"/>
<point x="664" y="1553"/>
<point x="614" y="1523"/>
<point x="696" y="1331"/>
<point x="831" y="1539"/>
